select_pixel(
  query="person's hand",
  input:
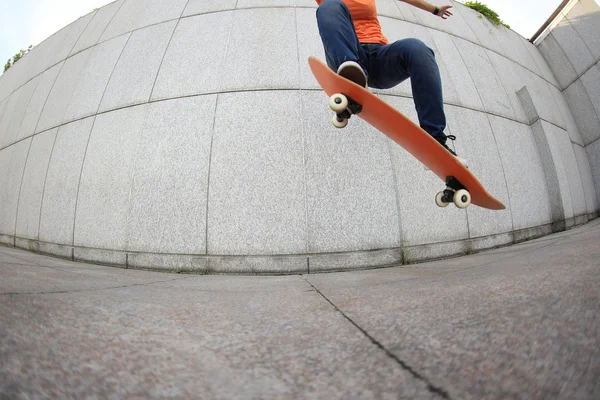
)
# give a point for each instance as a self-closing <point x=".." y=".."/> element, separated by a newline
<point x="444" y="12"/>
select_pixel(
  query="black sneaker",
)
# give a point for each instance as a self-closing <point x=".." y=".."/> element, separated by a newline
<point x="442" y="140"/>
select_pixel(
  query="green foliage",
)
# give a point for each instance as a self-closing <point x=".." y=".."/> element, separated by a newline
<point x="16" y="58"/>
<point x="485" y="10"/>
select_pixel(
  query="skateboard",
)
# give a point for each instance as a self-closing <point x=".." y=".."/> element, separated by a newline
<point x="347" y="99"/>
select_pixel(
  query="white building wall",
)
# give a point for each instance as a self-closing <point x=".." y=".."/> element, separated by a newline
<point x="191" y="135"/>
<point x="571" y="47"/>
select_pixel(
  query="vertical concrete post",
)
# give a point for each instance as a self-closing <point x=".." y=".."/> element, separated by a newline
<point x="549" y="164"/>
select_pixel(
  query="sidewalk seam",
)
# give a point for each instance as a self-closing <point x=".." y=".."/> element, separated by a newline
<point x="430" y="386"/>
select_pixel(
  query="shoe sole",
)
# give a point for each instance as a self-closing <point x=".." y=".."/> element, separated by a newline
<point x="355" y="74"/>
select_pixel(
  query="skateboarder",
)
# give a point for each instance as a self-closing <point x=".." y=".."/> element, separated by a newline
<point x="356" y="49"/>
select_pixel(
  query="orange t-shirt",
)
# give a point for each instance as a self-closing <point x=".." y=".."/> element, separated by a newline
<point x="366" y="24"/>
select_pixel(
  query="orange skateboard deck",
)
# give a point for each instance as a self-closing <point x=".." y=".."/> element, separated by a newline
<point x="407" y="134"/>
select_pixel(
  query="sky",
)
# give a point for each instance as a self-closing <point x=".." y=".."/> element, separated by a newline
<point x="25" y="22"/>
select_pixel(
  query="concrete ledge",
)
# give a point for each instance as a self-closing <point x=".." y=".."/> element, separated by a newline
<point x="295" y="263"/>
<point x="100" y="256"/>
<point x="354" y="260"/>
<point x="7" y="240"/>
<point x="535" y="232"/>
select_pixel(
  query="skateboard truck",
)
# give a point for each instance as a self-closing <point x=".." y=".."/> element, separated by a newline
<point x="455" y="192"/>
<point x="344" y="107"/>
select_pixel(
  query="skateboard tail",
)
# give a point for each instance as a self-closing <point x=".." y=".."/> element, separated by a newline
<point x="380" y="120"/>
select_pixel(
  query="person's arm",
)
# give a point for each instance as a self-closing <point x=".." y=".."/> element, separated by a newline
<point x="425" y="6"/>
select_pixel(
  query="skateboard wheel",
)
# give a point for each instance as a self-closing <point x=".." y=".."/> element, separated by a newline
<point x="462" y="198"/>
<point x="339" y="122"/>
<point x="338" y="102"/>
<point x="439" y="200"/>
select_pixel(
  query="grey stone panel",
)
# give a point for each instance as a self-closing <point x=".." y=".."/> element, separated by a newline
<point x="32" y="189"/>
<point x="485" y="32"/>
<point x="591" y="83"/>
<point x="567" y="115"/>
<point x="553" y="135"/>
<point x="37" y="102"/>
<point x="557" y="60"/>
<point x="542" y="65"/>
<point x="386" y="8"/>
<point x="275" y="3"/>
<point x="529" y="107"/>
<point x="585" y="19"/>
<point x="572" y="171"/>
<point x="91" y="86"/>
<point x="587" y="180"/>
<point x="573" y="46"/>
<point x="207" y="6"/>
<point x="584" y="112"/>
<point x="167" y="211"/>
<point x="350" y="188"/>
<point x="65" y="45"/>
<point x="408" y="12"/>
<point x="17" y="75"/>
<point x="478" y="143"/>
<point x="416" y="188"/>
<point x="106" y="179"/>
<point x="101" y="19"/>
<point x="58" y="46"/>
<point x="135" y="14"/>
<point x="58" y="100"/>
<point x="514" y="49"/>
<point x="455" y="25"/>
<point x="593" y="153"/>
<point x="3" y="106"/>
<point x="9" y="104"/>
<point x="513" y="78"/>
<point x="135" y="73"/>
<point x="544" y="100"/>
<point x="57" y="214"/>
<point x="309" y="44"/>
<point x="273" y="61"/>
<point x="549" y="165"/>
<point x="528" y="191"/>
<point x="457" y="85"/>
<point x="257" y="184"/>
<point x="15" y="113"/>
<point x="12" y="164"/>
<point x="489" y="86"/>
<point x="187" y="52"/>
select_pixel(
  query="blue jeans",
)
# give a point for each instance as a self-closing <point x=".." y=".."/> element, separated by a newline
<point x="385" y="65"/>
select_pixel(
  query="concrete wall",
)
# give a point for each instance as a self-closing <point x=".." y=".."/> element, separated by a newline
<point x="191" y="135"/>
<point x="571" y="47"/>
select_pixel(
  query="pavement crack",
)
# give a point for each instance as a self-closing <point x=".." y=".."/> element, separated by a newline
<point x="430" y="386"/>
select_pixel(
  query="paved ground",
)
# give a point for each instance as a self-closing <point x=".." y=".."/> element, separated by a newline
<point x="518" y="322"/>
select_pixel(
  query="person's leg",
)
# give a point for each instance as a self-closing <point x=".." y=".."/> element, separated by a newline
<point x="338" y="34"/>
<point x="397" y="61"/>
